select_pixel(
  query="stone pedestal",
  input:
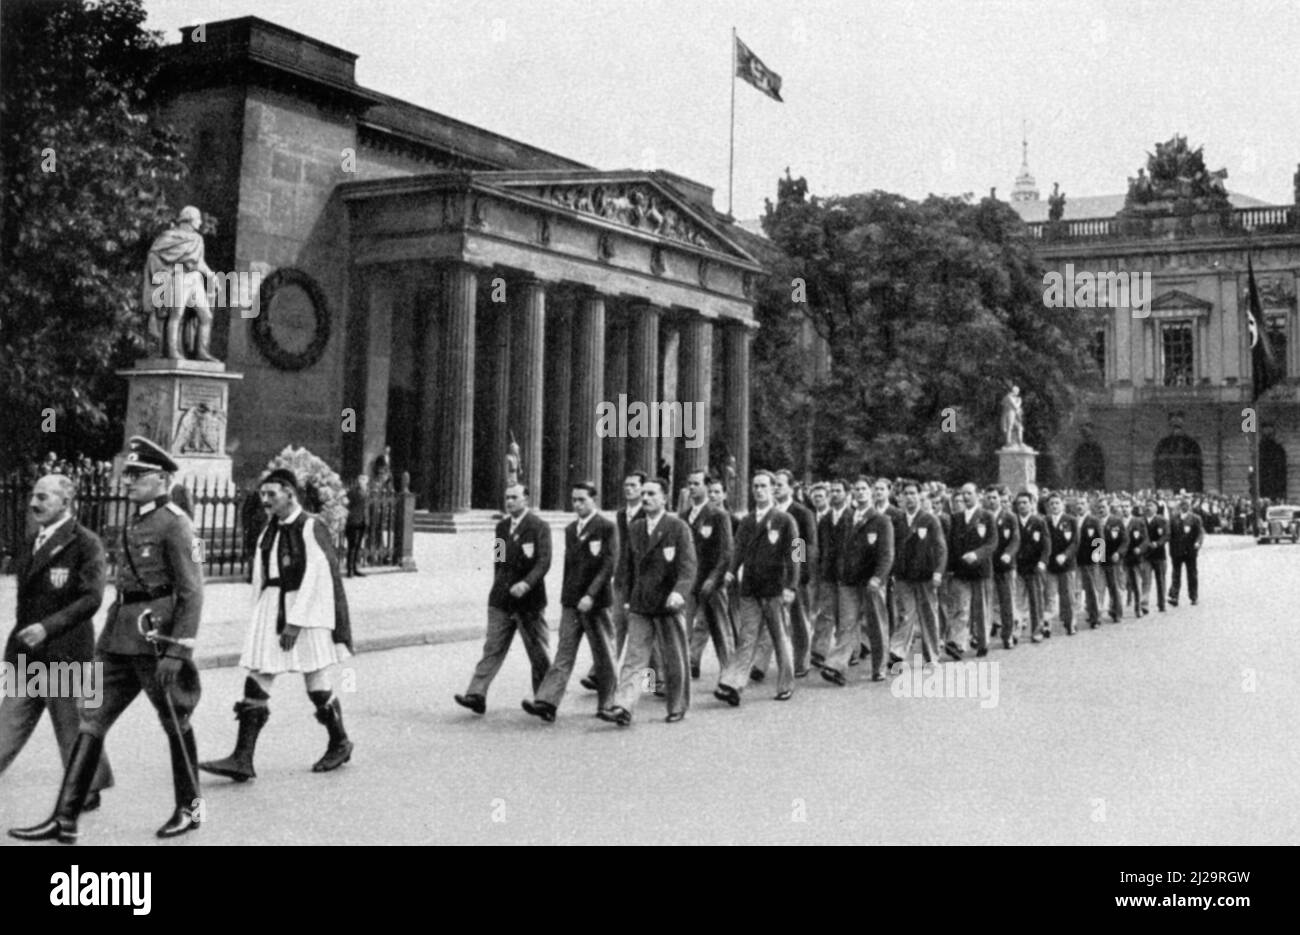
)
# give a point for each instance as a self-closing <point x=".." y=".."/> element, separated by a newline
<point x="1017" y="469"/>
<point x="181" y="405"/>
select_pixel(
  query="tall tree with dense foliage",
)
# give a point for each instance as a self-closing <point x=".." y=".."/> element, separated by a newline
<point x="85" y="171"/>
<point x="930" y="312"/>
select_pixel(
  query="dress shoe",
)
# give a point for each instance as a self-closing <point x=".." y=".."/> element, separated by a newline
<point x="801" y="673"/>
<point x="1047" y="634"/>
<point x="1193" y="602"/>
<point x="65" y="830"/>
<point x="877" y="676"/>
<point x="834" y="677"/>
<point x="895" y="659"/>
<point x="1173" y="601"/>
<point x="1071" y="630"/>
<point x="818" y="660"/>
<point x="784" y="696"/>
<point x="728" y="694"/>
<point x="1036" y="638"/>
<point x="589" y="683"/>
<point x="359" y="574"/>
<point x="1094" y="625"/>
<point x="62" y="825"/>
<point x="616" y="715"/>
<point x="952" y="650"/>
<point x="675" y="717"/>
<point x="855" y="660"/>
<point x="476" y="703"/>
<point x="182" y="821"/>
<point x="757" y="675"/>
<point x="982" y="652"/>
<point x="542" y="709"/>
<point x="997" y="628"/>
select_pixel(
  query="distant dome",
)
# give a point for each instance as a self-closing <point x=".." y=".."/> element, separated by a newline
<point x="1025" y="189"/>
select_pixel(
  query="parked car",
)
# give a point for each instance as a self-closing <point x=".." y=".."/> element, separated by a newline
<point x="1281" y="522"/>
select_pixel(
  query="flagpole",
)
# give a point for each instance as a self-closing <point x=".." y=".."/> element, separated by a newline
<point x="731" y="155"/>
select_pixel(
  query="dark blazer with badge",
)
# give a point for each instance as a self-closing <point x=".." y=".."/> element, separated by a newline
<point x="589" y="562"/>
<point x="527" y="558"/>
<point x="1116" y="536"/>
<point x="765" y="549"/>
<point x="1158" y="530"/>
<point x="807" y="525"/>
<point x="1035" y="544"/>
<point x="158" y="572"/>
<point x="868" y="550"/>
<point x="60" y="587"/>
<point x="624" y="524"/>
<point x="1138" y="543"/>
<point x="1185" y="535"/>
<point x="830" y="541"/>
<point x="1066" y="543"/>
<point x="1008" y="543"/>
<point x="980" y="536"/>
<point x="658" y="563"/>
<point x="899" y="519"/>
<point x="923" y="552"/>
<point x="1091" y="530"/>
<point x="711" y="536"/>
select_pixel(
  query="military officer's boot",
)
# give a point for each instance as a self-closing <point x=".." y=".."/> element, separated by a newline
<point x="239" y="765"/>
<point x="72" y="795"/>
<point x="189" y="806"/>
<point x="330" y="713"/>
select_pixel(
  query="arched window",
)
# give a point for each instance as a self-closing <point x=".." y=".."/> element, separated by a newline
<point x="1178" y="464"/>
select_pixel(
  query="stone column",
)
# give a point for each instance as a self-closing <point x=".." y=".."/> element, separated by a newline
<point x="588" y="388"/>
<point x="665" y="445"/>
<point x="643" y="380"/>
<point x="615" y="447"/>
<point x="558" y="379"/>
<point x="695" y="390"/>
<point x="736" y="361"/>
<point x="451" y="449"/>
<point x="367" y="368"/>
<point x="527" y="345"/>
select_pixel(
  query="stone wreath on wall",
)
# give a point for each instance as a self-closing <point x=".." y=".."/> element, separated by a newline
<point x="263" y="327"/>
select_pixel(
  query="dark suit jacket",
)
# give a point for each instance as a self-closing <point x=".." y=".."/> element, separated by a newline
<point x="1035" y="544"/>
<point x="1186" y="533"/>
<point x="61" y="588"/>
<point x="658" y="563"/>
<point x="830" y="542"/>
<point x="806" y="521"/>
<point x="923" y="552"/>
<point x="527" y="557"/>
<point x="1065" y="543"/>
<point x="711" y="535"/>
<point x="1116" y="536"/>
<point x="980" y="537"/>
<point x="1091" y="529"/>
<point x="621" y="520"/>
<point x="1139" y="543"/>
<point x="765" y="549"/>
<point x="1158" y="530"/>
<point x="589" y="563"/>
<point x="1008" y="544"/>
<point x="868" y="550"/>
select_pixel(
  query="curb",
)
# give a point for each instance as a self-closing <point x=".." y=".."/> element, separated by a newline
<point x="374" y="645"/>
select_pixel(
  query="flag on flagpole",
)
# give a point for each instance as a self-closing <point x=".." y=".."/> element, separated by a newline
<point x="1263" y="362"/>
<point x="752" y="69"/>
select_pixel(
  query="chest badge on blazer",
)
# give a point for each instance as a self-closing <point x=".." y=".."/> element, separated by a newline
<point x="528" y="548"/>
<point x="58" y="577"/>
<point x="920" y="533"/>
<point x="871" y="538"/>
<point x="706" y="531"/>
<point x="144" y="552"/>
<point x="1035" y="535"/>
<point x="670" y="552"/>
<point x="594" y="545"/>
<point x="773" y="535"/>
<point x="1067" y="535"/>
<point x="1187" y="530"/>
<point x="979" y="530"/>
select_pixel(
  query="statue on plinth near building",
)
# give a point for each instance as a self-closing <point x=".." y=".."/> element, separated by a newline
<point x="513" y="463"/>
<point x="176" y="278"/>
<point x="1013" y="420"/>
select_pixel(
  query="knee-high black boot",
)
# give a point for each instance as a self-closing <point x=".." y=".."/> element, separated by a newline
<point x="330" y="713"/>
<point x="72" y="795"/>
<point x="189" y="806"/>
<point x="252" y="714"/>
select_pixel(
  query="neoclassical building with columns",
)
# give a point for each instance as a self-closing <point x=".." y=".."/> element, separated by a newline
<point x="443" y="290"/>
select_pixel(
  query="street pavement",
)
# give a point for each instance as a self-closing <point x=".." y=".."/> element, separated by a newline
<point x="1175" y="729"/>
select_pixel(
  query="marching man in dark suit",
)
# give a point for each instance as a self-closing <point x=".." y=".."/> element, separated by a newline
<point x="830" y="540"/>
<point x="60" y="575"/>
<point x="707" y="614"/>
<point x="1004" y="559"/>
<point x="1186" y="533"/>
<point x="972" y="537"/>
<point x="1158" y="556"/>
<point x="623" y="518"/>
<point x="763" y="565"/>
<point x="590" y="550"/>
<point x="1136" y="570"/>
<point x="1058" y="590"/>
<point x="522" y="554"/>
<point x="299" y="623"/>
<point x="659" y="572"/>
<point x="159" y="590"/>
<point x="1115" y="534"/>
<point x="804" y="606"/>
<point x="1092" y="561"/>
<point x="920" y="559"/>
<point x="866" y="558"/>
<point x="1031" y="568"/>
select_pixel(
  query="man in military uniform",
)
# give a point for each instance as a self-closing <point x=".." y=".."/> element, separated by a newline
<point x="159" y="589"/>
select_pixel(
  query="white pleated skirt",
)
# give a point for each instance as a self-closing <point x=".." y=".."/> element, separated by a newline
<point x="314" y="650"/>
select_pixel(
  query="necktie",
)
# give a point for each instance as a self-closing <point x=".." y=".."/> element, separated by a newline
<point x="41" y="538"/>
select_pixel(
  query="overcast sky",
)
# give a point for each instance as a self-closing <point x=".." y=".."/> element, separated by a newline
<point x="914" y="97"/>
